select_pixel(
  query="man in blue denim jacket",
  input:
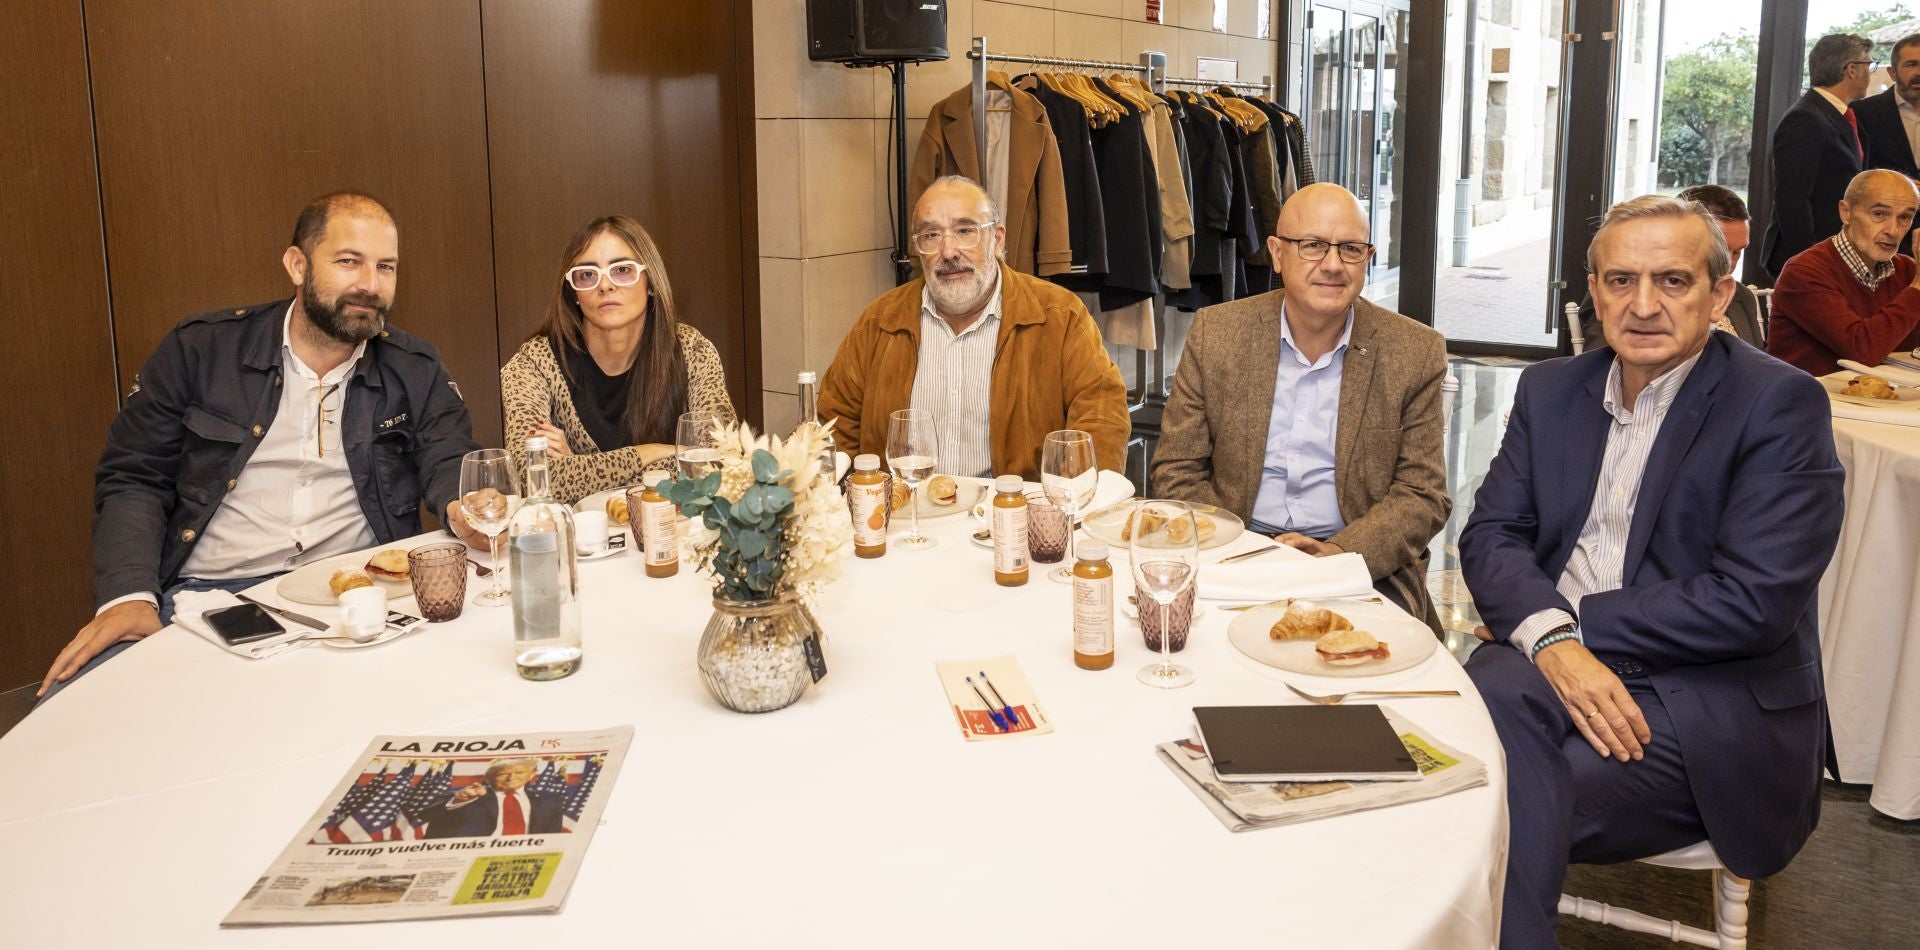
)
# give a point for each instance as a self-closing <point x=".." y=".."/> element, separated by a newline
<point x="262" y="438"/>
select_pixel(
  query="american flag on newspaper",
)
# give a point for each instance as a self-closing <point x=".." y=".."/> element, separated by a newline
<point x="392" y="796"/>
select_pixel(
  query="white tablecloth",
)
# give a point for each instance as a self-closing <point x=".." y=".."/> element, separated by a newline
<point x="145" y="799"/>
<point x="1870" y="616"/>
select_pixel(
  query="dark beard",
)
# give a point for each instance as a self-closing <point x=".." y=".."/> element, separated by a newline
<point x="334" y="321"/>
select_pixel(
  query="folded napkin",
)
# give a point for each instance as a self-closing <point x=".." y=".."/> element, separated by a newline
<point x="1898" y="374"/>
<point x="1285" y="573"/>
<point x="189" y="606"/>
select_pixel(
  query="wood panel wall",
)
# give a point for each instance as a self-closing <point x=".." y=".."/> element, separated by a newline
<point x="57" y="391"/>
<point x="168" y="148"/>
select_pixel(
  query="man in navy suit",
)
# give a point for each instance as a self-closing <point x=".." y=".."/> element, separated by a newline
<point x="1817" y="148"/>
<point x="501" y="804"/>
<point x="1645" y="550"/>
<point x="1890" y="121"/>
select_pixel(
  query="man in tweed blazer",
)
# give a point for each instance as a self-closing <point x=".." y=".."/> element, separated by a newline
<point x="1314" y="415"/>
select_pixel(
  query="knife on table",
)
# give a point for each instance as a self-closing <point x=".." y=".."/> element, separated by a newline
<point x="282" y="611"/>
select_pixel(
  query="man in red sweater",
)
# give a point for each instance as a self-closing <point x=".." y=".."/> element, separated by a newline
<point x="1853" y="296"/>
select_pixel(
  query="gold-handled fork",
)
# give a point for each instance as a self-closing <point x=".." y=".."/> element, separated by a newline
<point x="1338" y="698"/>
<point x="1286" y="601"/>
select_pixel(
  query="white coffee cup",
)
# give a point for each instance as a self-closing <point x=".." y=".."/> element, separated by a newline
<point x="363" y="612"/>
<point x="589" y="532"/>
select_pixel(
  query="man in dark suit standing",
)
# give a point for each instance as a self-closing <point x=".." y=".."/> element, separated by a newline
<point x="1816" y="148"/>
<point x="499" y="805"/>
<point x="1890" y="121"/>
<point x="1646" y="550"/>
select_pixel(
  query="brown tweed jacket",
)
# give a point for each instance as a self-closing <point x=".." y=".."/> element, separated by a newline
<point x="1388" y="469"/>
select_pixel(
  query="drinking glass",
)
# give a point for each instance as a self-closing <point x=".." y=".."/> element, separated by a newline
<point x="439" y="575"/>
<point x="912" y="448"/>
<point x="487" y="484"/>
<point x="694" y="446"/>
<point x="1069" y="474"/>
<point x="1165" y="551"/>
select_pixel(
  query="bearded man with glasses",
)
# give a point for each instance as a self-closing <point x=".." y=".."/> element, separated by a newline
<point x="1312" y="414"/>
<point x="999" y="358"/>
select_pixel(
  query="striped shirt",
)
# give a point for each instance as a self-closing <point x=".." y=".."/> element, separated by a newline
<point x="1869" y="274"/>
<point x="1599" y="555"/>
<point x="954" y="381"/>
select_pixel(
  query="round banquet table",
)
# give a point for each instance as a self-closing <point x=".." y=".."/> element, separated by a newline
<point x="1870" y="616"/>
<point x="144" y="800"/>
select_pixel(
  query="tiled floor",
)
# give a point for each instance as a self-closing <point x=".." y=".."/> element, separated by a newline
<point x="1853" y="887"/>
<point x="1497" y="299"/>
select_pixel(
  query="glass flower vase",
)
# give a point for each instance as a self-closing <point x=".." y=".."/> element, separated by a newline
<point x="752" y="656"/>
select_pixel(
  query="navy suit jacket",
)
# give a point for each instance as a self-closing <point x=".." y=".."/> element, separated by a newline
<point x="1738" y="514"/>
<point x="1815" y="156"/>
<point x="477" y="818"/>
<point x="1884" y="134"/>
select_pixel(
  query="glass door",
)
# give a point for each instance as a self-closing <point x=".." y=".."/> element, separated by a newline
<point x="1353" y="96"/>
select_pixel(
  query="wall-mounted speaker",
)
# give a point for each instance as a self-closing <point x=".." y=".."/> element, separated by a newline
<point x="876" y="31"/>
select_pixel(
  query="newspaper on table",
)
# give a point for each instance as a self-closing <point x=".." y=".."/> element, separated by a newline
<point x="1245" y="806"/>
<point x="444" y="826"/>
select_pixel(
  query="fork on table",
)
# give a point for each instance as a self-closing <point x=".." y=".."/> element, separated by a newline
<point x="1338" y="698"/>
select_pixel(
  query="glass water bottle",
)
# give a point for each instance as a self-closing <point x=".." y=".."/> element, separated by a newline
<point x="546" y="587"/>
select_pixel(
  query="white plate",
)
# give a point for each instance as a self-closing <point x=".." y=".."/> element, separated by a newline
<point x="1107" y="523"/>
<point x="1409" y="642"/>
<point x="971" y="490"/>
<point x="389" y="636"/>
<point x="610" y="550"/>
<point x="598" y="502"/>
<point x="308" y="584"/>
<point x="1909" y="396"/>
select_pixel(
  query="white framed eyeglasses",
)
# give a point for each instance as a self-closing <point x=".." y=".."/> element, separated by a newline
<point x="618" y="273"/>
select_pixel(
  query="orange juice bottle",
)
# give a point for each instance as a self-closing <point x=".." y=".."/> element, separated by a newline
<point x="867" y="500"/>
<point x="1009" y="531"/>
<point x="1092" y="607"/>
<point x="659" y="528"/>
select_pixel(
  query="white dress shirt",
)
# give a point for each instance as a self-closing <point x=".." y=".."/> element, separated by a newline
<point x="954" y="382"/>
<point x="1599" y="555"/>
<point x="295" y="502"/>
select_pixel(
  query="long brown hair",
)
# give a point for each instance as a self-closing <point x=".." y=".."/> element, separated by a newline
<point x="659" y="394"/>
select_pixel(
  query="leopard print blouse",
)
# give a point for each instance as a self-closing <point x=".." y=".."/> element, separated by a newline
<point x="533" y="389"/>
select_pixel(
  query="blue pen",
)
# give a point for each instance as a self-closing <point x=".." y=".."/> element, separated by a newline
<point x="1005" y="706"/>
<point x="998" y="721"/>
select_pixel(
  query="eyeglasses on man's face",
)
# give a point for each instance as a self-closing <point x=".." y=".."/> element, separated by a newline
<point x="619" y="273"/>
<point x="965" y="237"/>
<point x="1314" y="249"/>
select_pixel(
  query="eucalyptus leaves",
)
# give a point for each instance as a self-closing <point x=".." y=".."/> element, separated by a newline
<point x="768" y="529"/>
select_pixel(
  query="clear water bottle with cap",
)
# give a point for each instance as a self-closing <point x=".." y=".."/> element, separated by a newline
<point x="809" y="386"/>
<point x="546" y="588"/>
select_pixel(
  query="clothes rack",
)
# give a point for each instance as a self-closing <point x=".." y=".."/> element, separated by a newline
<point x="980" y="57"/>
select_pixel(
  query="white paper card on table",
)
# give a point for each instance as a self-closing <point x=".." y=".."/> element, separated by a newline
<point x="1277" y="575"/>
<point x="981" y="707"/>
<point x="189" y="606"/>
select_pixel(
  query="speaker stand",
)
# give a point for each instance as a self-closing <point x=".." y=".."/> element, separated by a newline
<point x="902" y="260"/>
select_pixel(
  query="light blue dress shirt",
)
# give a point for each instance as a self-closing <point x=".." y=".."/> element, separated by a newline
<point x="1296" y="483"/>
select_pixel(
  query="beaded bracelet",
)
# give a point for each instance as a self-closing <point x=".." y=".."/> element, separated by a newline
<point x="1553" y="638"/>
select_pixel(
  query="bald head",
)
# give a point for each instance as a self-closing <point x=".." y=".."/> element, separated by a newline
<point x="1877" y="213"/>
<point x="1320" y="250"/>
<point x="950" y="188"/>
<point x="313" y="219"/>
<point x="1323" y="205"/>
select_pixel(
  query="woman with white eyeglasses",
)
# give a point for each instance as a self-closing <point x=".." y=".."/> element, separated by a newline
<point x="611" y="368"/>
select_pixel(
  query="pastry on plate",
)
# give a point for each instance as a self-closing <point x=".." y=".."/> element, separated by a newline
<point x="390" y="564"/>
<point x="902" y="496"/>
<point x="942" y="490"/>
<point x="348" y="579"/>
<point x="1150" y="520"/>
<point x="1350" y="648"/>
<point x="1304" y="621"/>
<point x="617" y="509"/>
<point x="1871" y="387"/>
<point x="1203" y="525"/>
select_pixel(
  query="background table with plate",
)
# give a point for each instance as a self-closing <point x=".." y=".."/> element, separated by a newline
<point x="168" y="779"/>
<point x="1870" y="602"/>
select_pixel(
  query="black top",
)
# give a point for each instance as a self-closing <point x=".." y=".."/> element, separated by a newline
<point x="1815" y="156"/>
<point x="599" y="399"/>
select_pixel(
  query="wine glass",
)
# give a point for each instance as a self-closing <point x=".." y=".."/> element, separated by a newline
<point x="912" y="448"/>
<point x="487" y="487"/>
<point x="694" y="446"/>
<point x="1165" y="551"/>
<point x="1069" y="473"/>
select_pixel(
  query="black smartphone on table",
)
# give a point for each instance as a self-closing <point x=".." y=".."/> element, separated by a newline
<point x="243" y="623"/>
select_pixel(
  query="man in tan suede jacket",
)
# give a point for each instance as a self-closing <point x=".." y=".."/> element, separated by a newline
<point x="1312" y="414"/>
<point x="998" y="358"/>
